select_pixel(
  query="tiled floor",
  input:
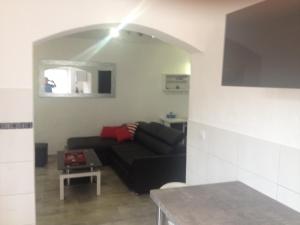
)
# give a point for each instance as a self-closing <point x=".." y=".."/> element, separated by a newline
<point x="115" y="206"/>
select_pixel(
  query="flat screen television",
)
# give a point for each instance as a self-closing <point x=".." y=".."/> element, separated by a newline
<point x="262" y="45"/>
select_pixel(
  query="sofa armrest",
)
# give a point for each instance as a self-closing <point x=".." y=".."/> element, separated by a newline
<point x="153" y="172"/>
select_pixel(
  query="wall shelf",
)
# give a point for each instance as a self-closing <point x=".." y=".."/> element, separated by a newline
<point x="176" y="82"/>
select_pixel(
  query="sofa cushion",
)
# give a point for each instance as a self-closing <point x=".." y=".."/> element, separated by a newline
<point x="166" y="134"/>
<point x="153" y="143"/>
<point x="122" y="134"/>
<point x="108" y="132"/>
<point x="90" y="142"/>
<point x="132" y="128"/>
<point x="129" y="152"/>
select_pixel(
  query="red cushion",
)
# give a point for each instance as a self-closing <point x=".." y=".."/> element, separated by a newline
<point x="109" y="132"/>
<point x="123" y="134"/>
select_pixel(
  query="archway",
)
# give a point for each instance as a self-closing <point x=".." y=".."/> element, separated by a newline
<point x="135" y="28"/>
<point x="131" y="27"/>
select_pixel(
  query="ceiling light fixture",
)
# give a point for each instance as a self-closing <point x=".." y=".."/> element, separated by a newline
<point x="114" y="32"/>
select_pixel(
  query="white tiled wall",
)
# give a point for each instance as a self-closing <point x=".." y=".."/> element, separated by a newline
<point x="17" y="205"/>
<point x="289" y="169"/>
<point x="216" y="155"/>
<point x="16" y="145"/>
<point x="219" y="170"/>
<point x="223" y="145"/>
<point x="16" y="178"/>
<point x="259" y="157"/>
<point x="257" y="182"/>
<point x="17" y="209"/>
<point x="197" y="168"/>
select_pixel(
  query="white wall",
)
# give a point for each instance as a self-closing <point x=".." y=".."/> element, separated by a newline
<point x="139" y="97"/>
<point x="23" y="23"/>
<point x="239" y="133"/>
<point x="269" y="114"/>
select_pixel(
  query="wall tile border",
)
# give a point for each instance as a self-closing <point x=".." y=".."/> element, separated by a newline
<point x="19" y="125"/>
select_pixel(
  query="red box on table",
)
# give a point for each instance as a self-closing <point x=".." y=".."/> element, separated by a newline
<point x="74" y="158"/>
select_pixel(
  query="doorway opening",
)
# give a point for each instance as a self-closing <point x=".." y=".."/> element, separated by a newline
<point x="110" y="82"/>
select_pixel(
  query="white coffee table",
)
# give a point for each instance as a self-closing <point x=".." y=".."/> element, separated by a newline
<point x="90" y="169"/>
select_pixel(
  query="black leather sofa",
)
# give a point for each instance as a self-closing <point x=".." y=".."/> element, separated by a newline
<point x="155" y="157"/>
<point x="102" y="146"/>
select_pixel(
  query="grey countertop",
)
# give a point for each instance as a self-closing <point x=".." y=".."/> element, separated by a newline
<point x="222" y="204"/>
